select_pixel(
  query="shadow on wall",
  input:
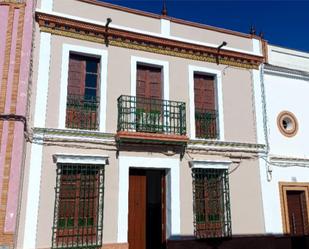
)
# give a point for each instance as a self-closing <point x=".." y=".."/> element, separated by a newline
<point x="241" y="242"/>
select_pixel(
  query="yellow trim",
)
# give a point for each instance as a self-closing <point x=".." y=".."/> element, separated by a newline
<point x="291" y="186"/>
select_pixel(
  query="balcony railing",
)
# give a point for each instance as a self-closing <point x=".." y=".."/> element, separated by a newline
<point x="206" y="124"/>
<point x="82" y="112"/>
<point x="137" y="114"/>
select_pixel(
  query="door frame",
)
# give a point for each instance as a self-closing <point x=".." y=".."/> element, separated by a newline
<point x="291" y="186"/>
<point x="172" y="166"/>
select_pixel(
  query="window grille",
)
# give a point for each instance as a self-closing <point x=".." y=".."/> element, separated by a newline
<point x="78" y="211"/>
<point x="212" y="215"/>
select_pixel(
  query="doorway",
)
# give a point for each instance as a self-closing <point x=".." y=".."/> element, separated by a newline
<point x="297" y="212"/>
<point x="147" y="209"/>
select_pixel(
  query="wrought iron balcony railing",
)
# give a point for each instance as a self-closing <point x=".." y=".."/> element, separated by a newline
<point x="137" y="114"/>
<point x="82" y="112"/>
<point x="206" y="124"/>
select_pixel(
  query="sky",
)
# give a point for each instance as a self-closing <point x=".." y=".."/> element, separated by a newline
<point x="284" y="23"/>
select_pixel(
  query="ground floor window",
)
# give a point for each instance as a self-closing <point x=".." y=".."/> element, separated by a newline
<point x="78" y="217"/>
<point x="212" y="216"/>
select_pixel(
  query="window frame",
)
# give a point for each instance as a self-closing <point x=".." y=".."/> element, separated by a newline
<point x="219" y="100"/>
<point x="102" y="54"/>
<point x="80" y="162"/>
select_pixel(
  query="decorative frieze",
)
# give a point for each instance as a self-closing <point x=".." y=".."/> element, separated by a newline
<point x="131" y="40"/>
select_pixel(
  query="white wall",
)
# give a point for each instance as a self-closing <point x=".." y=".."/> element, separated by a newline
<point x="271" y="194"/>
<point x="289" y="58"/>
<point x="287" y="94"/>
<point x="284" y="93"/>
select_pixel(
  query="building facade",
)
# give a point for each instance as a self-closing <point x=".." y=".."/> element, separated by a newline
<point x="285" y="175"/>
<point x="15" y="54"/>
<point x="143" y="131"/>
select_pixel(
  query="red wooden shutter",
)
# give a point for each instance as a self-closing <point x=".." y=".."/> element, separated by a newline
<point x="205" y="106"/>
<point x="77" y="74"/>
<point x="149" y="83"/>
<point x="204" y="92"/>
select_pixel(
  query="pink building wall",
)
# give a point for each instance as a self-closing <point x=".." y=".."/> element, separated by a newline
<point x="15" y="39"/>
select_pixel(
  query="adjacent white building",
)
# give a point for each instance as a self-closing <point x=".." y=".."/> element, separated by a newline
<point x="285" y="170"/>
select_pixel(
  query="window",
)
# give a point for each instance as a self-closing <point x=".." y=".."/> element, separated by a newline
<point x="149" y="104"/>
<point x="83" y="89"/>
<point x="205" y="106"/>
<point x="287" y="124"/>
<point x="78" y="214"/>
<point x="211" y="203"/>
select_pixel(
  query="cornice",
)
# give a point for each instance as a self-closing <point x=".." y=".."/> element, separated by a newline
<point x="70" y="135"/>
<point x="131" y="40"/>
<point x="224" y="146"/>
<point x="288" y="161"/>
<point x="286" y="72"/>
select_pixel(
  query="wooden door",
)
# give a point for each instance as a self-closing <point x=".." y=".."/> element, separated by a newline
<point x="297" y="211"/>
<point x="137" y="209"/>
<point x="205" y="106"/>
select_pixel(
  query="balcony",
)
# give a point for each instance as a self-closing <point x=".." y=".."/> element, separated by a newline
<point x="151" y="120"/>
<point x="206" y="124"/>
<point x="82" y="112"/>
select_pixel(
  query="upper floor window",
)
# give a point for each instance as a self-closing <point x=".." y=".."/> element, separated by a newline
<point x="78" y="206"/>
<point x="205" y="106"/>
<point x="211" y="203"/>
<point x="83" y="92"/>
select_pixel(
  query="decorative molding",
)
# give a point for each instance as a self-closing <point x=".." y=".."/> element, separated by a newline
<point x="210" y="164"/>
<point x="80" y="159"/>
<point x="215" y="145"/>
<point x="50" y="134"/>
<point x="286" y="72"/>
<point x="126" y="39"/>
<point x="289" y="161"/>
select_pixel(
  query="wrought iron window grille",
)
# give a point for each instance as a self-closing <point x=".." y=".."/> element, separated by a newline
<point x="82" y="112"/>
<point x="138" y="114"/>
<point x="78" y="210"/>
<point x="206" y="124"/>
<point x="211" y="205"/>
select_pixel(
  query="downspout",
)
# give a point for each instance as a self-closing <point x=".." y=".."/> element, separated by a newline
<point x="265" y="127"/>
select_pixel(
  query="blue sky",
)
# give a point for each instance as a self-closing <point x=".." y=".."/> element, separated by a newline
<point x="284" y="23"/>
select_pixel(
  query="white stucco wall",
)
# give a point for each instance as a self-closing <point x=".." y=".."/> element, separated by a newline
<point x="284" y="93"/>
<point x="287" y="94"/>
<point x="271" y="194"/>
<point x="288" y="58"/>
